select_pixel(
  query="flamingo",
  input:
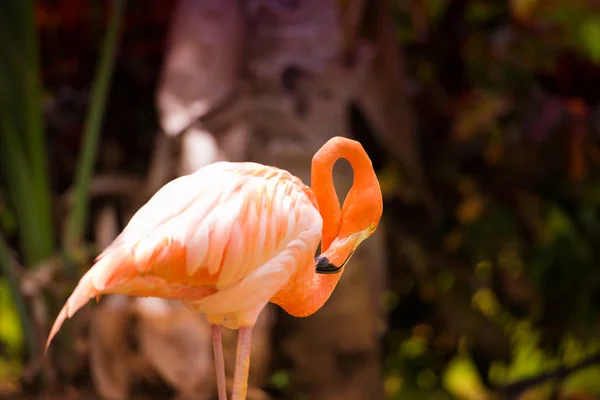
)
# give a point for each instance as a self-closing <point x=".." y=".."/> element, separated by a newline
<point x="232" y="237"/>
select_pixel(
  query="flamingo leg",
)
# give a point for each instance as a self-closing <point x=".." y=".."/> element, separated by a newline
<point x="242" y="364"/>
<point x="219" y="361"/>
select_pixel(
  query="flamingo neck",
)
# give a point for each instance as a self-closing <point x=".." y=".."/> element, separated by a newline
<point x="327" y="199"/>
<point x="307" y="291"/>
<point x="323" y="187"/>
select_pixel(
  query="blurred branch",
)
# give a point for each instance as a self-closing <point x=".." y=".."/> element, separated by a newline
<point x="77" y="218"/>
<point x="515" y="389"/>
<point x="7" y="266"/>
<point x="108" y="185"/>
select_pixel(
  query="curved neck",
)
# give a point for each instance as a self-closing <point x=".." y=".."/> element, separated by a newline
<point x="324" y="189"/>
<point x="307" y="291"/>
<point x="327" y="199"/>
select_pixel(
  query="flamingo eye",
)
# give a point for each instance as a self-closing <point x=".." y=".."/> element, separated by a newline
<point x="372" y="226"/>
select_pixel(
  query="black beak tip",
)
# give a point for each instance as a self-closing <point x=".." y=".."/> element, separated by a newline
<point x="325" y="267"/>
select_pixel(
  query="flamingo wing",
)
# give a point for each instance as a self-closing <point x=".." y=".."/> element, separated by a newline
<point x="200" y="234"/>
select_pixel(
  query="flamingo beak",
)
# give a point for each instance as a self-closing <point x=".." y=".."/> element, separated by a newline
<point x="325" y="267"/>
<point x="339" y="253"/>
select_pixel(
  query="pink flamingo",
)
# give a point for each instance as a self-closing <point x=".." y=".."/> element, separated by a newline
<point x="231" y="237"/>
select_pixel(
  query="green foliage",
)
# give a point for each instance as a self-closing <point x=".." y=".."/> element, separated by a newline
<point x="462" y="379"/>
<point x="507" y="283"/>
<point x="280" y="380"/>
<point x="23" y="157"/>
<point x="22" y="143"/>
<point x="589" y="35"/>
<point x="10" y="330"/>
<point x="11" y="335"/>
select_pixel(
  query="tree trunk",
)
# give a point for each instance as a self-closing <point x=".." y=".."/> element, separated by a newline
<point x="301" y="92"/>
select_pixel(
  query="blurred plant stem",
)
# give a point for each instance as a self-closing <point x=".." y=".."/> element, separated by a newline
<point x="77" y="218"/>
<point x="22" y="144"/>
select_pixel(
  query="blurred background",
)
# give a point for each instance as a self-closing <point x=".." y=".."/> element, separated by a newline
<point x="481" y="117"/>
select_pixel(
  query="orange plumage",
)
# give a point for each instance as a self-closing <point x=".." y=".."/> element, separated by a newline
<point x="231" y="237"/>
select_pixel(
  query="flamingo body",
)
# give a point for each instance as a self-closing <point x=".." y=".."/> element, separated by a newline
<point x="231" y="237"/>
<point x="223" y="240"/>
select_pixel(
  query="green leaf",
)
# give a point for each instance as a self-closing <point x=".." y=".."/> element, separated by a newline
<point x="22" y="128"/>
<point x="77" y="218"/>
<point x="7" y="269"/>
<point x="280" y="380"/>
<point x="11" y="331"/>
<point x="590" y="38"/>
